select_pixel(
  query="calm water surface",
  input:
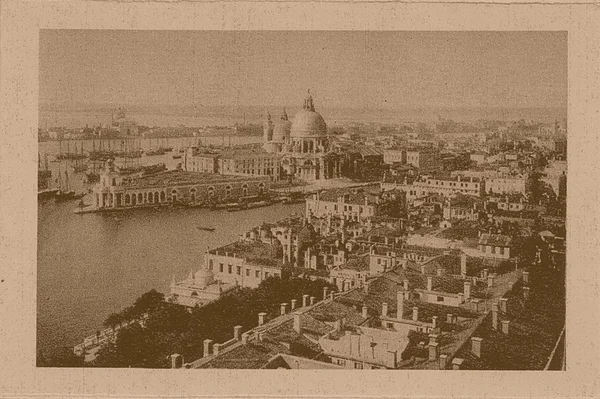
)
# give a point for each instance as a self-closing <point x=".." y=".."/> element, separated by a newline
<point x="94" y="264"/>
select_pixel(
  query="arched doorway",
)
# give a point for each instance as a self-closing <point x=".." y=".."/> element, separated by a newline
<point x="193" y="195"/>
<point x="156" y="197"/>
<point x="133" y="199"/>
<point x="140" y="198"/>
<point x="211" y="192"/>
<point x="228" y="191"/>
<point x="163" y="196"/>
<point x="244" y="189"/>
<point x="127" y="199"/>
<point x="261" y="188"/>
<point x="174" y="196"/>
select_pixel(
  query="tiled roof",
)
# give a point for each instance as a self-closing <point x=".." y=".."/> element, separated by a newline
<point x="359" y="264"/>
<point x="498" y="240"/>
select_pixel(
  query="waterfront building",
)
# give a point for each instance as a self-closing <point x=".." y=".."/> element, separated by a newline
<point x="426" y="159"/>
<point x="303" y="145"/>
<point x="201" y="160"/>
<point x="116" y="190"/>
<point x="198" y="289"/>
<point x="245" y="263"/>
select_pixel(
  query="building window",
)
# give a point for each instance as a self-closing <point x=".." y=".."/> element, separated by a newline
<point x="341" y="362"/>
<point x="239" y="270"/>
<point x="247" y="272"/>
<point x="358" y="365"/>
<point x="266" y="274"/>
<point x="440" y="299"/>
<point x="221" y="267"/>
<point x="229" y="268"/>
<point x="501" y="250"/>
<point x="257" y="273"/>
<point x="210" y="264"/>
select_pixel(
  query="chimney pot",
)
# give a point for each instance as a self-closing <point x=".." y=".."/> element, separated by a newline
<point x="442" y="362"/>
<point x="176" y="361"/>
<point x="504" y="305"/>
<point x="433" y="350"/>
<point x="525" y="277"/>
<point x="434" y="321"/>
<point x="525" y="293"/>
<point x="505" y="326"/>
<point x="467" y="289"/>
<point x="261" y="318"/>
<point x="312" y="300"/>
<point x="207" y="347"/>
<point x="399" y="305"/>
<point x="457" y="363"/>
<point x="429" y="283"/>
<point x="415" y="315"/>
<point x="245" y="338"/>
<point x="216" y="349"/>
<point x="463" y="264"/>
<point x="490" y="281"/>
<point x="304" y="300"/>
<point x="449" y="318"/>
<point x="236" y="332"/>
<point x="405" y="282"/>
<point x="293" y="304"/>
<point x="325" y="289"/>
<point x="476" y="346"/>
<point x="495" y="316"/>
<point x="384" y="309"/>
<point x="365" y="312"/>
<point x="297" y="323"/>
<point x="332" y="296"/>
<point x="283" y="308"/>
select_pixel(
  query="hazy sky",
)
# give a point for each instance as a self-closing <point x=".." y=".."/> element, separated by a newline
<point x="342" y="69"/>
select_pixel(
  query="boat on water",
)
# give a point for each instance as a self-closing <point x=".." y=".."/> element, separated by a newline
<point x="176" y="156"/>
<point x="65" y="193"/>
<point x="47" y="193"/>
<point x="211" y="229"/>
<point x="158" y="151"/>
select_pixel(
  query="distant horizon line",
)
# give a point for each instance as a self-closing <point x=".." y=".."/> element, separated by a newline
<point x="115" y="106"/>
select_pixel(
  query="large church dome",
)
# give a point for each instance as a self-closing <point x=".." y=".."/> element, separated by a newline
<point x="308" y="122"/>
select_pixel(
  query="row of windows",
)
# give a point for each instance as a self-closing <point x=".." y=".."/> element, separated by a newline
<point x="238" y="270"/>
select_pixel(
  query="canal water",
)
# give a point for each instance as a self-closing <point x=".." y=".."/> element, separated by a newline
<point x="94" y="264"/>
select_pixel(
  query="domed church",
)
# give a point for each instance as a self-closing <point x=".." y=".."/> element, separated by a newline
<point x="303" y="144"/>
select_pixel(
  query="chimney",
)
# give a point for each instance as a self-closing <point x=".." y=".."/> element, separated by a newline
<point x="485" y="273"/>
<point x="463" y="264"/>
<point x="442" y="362"/>
<point x="495" y="316"/>
<point x="434" y="321"/>
<point x="415" y="316"/>
<point x="400" y="305"/>
<point x="526" y="293"/>
<point x="490" y="281"/>
<point x="176" y="361"/>
<point x="297" y="323"/>
<point x="365" y="312"/>
<point x="236" y="332"/>
<point x="304" y="300"/>
<point x="261" y="336"/>
<point x="293" y="304"/>
<point x="461" y="298"/>
<point x="476" y="346"/>
<point x="405" y="282"/>
<point x="283" y="308"/>
<point x="429" y="283"/>
<point x="207" y="347"/>
<point x="467" y="289"/>
<point x="505" y="325"/>
<point x="384" y="309"/>
<point x="312" y="300"/>
<point x="216" y="349"/>
<point x="440" y="272"/>
<point x="332" y="295"/>
<point x="449" y="318"/>
<point x="261" y="318"/>
<point x="245" y="338"/>
<point x="525" y="277"/>
<point x="433" y="350"/>
<point x="325" y="289"/>
<point x="504" y="305"/>
<point x="457" y="363"/>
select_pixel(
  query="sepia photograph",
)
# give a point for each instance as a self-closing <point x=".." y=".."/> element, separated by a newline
<point x="303" y="200"/>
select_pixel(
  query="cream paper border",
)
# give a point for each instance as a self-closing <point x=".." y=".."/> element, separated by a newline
<point x="20" y="24"/>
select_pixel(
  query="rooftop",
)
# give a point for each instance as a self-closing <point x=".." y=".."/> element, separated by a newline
<point x="253" y="251"/>
<point x="182" y="178"/>
<point x="499" y="240"/>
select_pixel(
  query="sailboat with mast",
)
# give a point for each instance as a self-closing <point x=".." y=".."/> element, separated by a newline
<point x="65" y="193"/>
